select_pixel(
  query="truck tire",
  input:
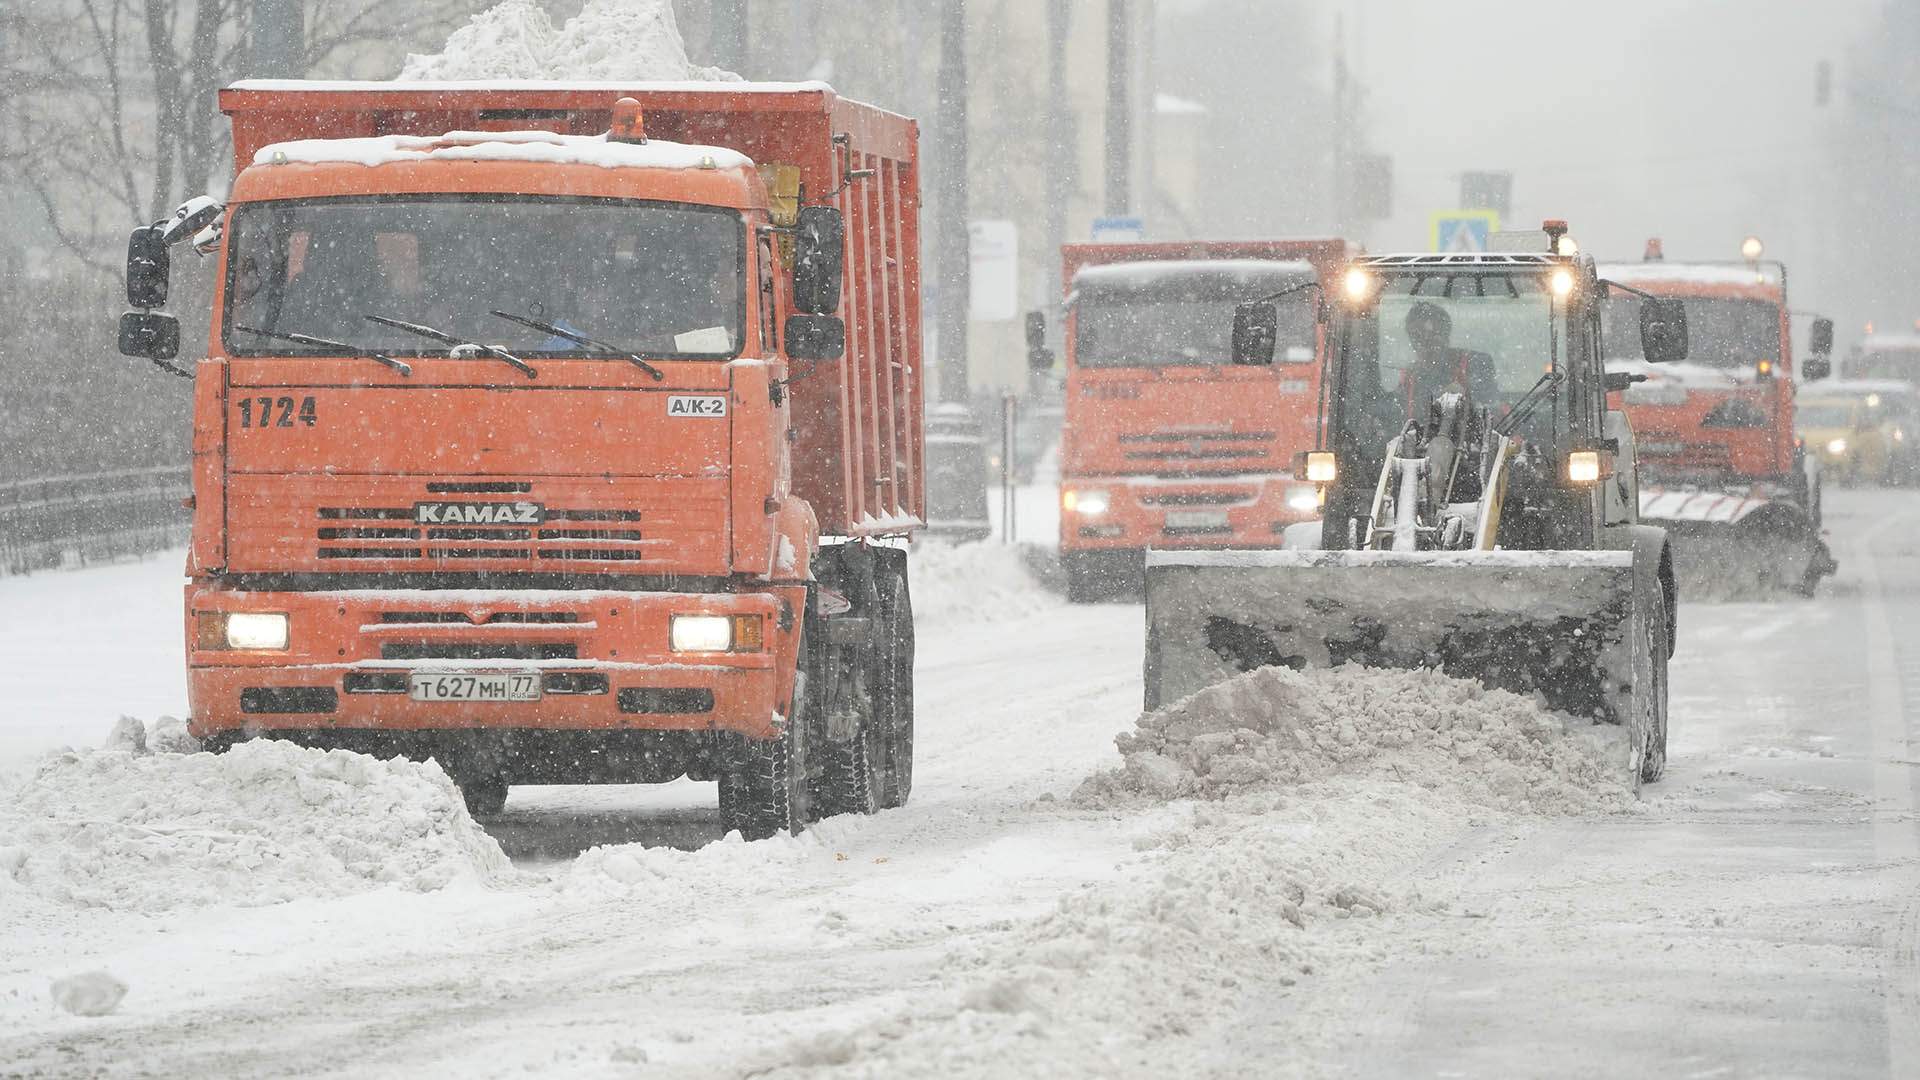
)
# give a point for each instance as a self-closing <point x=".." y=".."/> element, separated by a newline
<point x="848" y="780"/>
<point x="485" y="796"/>
<point x="1654" y="764"/>
<point x="893" y="689"/>
<point x="764" y="787"/>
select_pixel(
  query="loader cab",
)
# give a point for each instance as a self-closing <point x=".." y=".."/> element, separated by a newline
<point x="1517" y="336"/>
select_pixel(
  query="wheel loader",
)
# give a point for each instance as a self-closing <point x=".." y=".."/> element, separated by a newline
<point x="1479" y="511"/>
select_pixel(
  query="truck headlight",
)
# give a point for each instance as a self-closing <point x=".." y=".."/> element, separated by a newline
<point x="1089" y="503"/>
<point x="700" y="633"/>
<point x="1583" y="467"/>
<point x="1837" y="446"/>
<point x="256" y="630"/>
<point x="1303" y="498"/>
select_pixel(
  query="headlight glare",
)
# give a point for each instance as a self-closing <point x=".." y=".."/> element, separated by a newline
<point x="1304" y="498"/>
<point x="701" y="633"/>
<point x="1088" y="503"/>
<point x="1837" y="446"/>
<point x="256" y="630"/>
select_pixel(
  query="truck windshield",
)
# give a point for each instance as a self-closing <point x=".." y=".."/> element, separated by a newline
<point x="1160" y="327"/>
<point x="1489" y="335"/>
<point x="1897" y="362"/>
<point x="662" y="279"/>
<point x="1720" y="333"/>
<point x="1824" y="414"/>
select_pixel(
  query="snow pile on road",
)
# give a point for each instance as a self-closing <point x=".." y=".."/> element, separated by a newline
<point x="973" y="582"/>
<point x="609" y="40"/>
<point x="262" y="823"/>
<point x="1280" y="727"/>
<point x="1237" y="902"/>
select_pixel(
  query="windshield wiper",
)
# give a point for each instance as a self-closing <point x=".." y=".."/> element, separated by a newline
<point x="327" y="343"/>
<point x="1528" y="402"/>
<point x="458" y="345"/>
<point x="581" y="339"/>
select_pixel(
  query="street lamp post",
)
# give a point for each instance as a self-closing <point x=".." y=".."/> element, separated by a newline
<point x="956" y="458"/>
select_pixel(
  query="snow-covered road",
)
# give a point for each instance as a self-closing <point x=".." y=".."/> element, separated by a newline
<point x="1757" y="914"/>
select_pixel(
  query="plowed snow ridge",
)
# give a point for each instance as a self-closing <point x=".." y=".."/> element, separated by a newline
<point x="1279" y="727"/>
<point x="262" y="823"/>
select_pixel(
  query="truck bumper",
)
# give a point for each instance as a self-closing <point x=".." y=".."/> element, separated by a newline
<point x="601" y="661"/>
<point x="1247" y="511"/>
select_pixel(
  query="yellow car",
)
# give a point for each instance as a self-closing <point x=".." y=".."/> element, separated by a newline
<point x="1860" y="431"/>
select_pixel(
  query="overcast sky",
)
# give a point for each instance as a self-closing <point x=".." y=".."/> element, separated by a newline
<point x="1690" y="119"/>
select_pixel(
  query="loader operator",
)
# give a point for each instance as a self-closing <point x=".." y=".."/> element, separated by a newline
<point x="1439" y="368"/>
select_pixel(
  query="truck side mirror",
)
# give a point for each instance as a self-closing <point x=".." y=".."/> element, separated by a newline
<point x="153" y="335"/>
<point x="148" y="268"/>
<point x="1663" y="329"/>
<point x="1256" y="330"/>
<point x="1039" y="357"/>
<point x="819" y="259"/>
<point x="1819" y="363"/>
<point x="190" y="217"/>
<point x="815" y="337"/>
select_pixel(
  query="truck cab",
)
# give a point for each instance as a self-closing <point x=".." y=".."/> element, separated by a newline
<point x="1166" y="443"/>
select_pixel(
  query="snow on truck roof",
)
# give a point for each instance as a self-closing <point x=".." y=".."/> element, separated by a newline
<point x="1685" y="274"/>
<point x="1146" y="273"/>
<point x="423" y="86"/>
<point x="526" y="146"/>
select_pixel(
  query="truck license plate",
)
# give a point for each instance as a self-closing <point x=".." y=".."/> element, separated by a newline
<point x="1196" y="519"/>
<point x="490" y="686"/>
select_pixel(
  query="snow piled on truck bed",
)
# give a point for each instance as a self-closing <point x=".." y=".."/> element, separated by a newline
<point x="263" y="823"/>
<point x="1277" y="726"/>
<point x="609" y="39"/>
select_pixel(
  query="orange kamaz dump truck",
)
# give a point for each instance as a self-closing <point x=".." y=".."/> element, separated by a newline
<point x="1166" y="443"/>
<point x="1721" y="467"/>
<point x="560" y="433"/>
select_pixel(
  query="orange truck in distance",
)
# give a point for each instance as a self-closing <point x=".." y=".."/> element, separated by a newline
<point x="1721" y="466"/>
<point x="560" y="434"/>
<point x="1165" y="443"/>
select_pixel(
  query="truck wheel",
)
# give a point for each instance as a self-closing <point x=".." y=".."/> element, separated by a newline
<point x="484" y="796"/>
<point x="1654" y="764"/>
<point x="893" y="689"/>
<point x="849" y="778"/>
<point x="763" y="782"/>
<point x="1084" y="584"/>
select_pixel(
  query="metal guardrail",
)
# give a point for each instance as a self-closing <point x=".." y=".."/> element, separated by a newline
<point x="92" y="517"/>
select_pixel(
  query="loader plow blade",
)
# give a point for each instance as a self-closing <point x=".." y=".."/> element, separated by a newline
<point x="1557" y="623"/>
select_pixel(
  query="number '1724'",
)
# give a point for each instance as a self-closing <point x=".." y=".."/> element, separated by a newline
<point x="276" y="412"/>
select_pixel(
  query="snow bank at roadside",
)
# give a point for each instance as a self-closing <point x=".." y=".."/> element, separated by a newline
<point x="262" y="823"/>
<point x="973" y="582"/>
<point x="1279" y="727"/>
<point x="609" y="40"/>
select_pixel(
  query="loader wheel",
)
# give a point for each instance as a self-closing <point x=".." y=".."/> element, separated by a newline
<point x="893" y="690"/>
<point x="763" y="782"/>
<point x="1654" y="764"/>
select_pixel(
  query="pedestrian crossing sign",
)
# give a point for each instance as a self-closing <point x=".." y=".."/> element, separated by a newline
<point x="1456" y="231"/>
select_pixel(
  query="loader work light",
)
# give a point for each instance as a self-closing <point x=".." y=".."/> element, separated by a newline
<point x="251" y="630"/>
<point x="1562" y="282"/>
<point x="1322" y="468"/>
<point x="1359" y="284"/>
<point x="1583" y="467"/>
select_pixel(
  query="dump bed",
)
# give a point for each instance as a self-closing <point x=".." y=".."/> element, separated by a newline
<point x="858" y="439"/>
